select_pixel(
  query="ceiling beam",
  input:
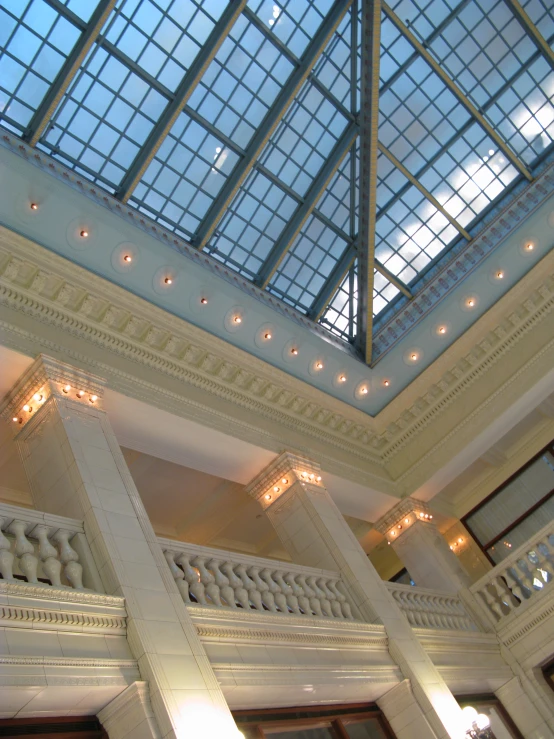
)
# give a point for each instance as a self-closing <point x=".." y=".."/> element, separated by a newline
<point x="457" y="92"/>
<point x="369" y="124"/>
<point x="394" y="280"/>
<point x="416" y="183"/>
<point x="182" y="95"/>
<point x="271" y="121"/>
<point x="332" y="284"/>
<point x="532" y="31"/>
<point x="66" y="75"/>
<point x="303" y="211"/>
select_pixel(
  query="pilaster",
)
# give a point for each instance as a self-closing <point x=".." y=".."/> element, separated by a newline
<point x="410" y="529"/>
<point x="76" y="468"/>
<point x="292" y="493"/>
<point x="130" y="715"/>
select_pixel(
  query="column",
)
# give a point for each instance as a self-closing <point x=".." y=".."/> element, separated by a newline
<point x="292" y="493"/>
<point x="130" y="715"/>
<point x="411" y="530"/>
<point x="75" y="468"/>
<point x="526" y="714"/>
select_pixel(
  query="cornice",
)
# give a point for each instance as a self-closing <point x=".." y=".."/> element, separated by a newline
<point x="66" y="671"/>
<point x="249" y="636"/>
<point x="62" y="620"/>
<point x="268" y="674"/>
<point x="15" y="594"/>
<point x="50" y="290"/>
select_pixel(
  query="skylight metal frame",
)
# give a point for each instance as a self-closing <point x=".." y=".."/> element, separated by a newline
<point x="531" y="30"/>
<point x="70" y="67"/>
<point x="369" y="130"/>
<point x="271" y="121"/>
<point x="183" y="93"/>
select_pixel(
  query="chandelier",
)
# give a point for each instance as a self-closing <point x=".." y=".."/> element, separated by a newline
<point x="477" y="725"/>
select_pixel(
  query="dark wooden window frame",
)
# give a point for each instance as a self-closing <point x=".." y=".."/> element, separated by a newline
<point x="490" y="700"/>
<point x="548" y="673"/>
<point x="484" y="547"/>
<point x="255" y="723"/>
<point x="53" y="727"/>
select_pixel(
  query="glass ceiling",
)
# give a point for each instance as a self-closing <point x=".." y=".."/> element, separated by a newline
<point x="236" y="125"/>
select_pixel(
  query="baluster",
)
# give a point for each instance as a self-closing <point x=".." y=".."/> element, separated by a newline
<point x="325" y="605"/>
<point x="315" y="605"/>
<point x="222" y="582"/>
<point x="178" y="576"/>
<point x="275" y="590"/>
<point x="51" y="565"/>
<point x="249" y="584"/>
<point x="526" y="576"/>
<point x="25" y="551"/>
<point x="346" y="611"/>
<point x="335" y="603"/>
<point x="196" y="588"/>
<point x="514" y="590"/>
<point x="303" y="602"/>
<point x="268" y="599"/>
<point x="208" y="580"/>
<point x="6" y="556"/>
<point x="492" y="600"/>
<point x="69" y="558"/>
<point x="241" y="594"/>
<point x="545" y="561"/>
<point x="292" y="601"/>
<point x="329" y="597"/>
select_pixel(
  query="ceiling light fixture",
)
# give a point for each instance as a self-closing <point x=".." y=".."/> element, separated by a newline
<point x="319" y="365"/>
<point x="204" y="301"/>
<point x="471" y="302"/>
<point x="342" y="378"/>
<point x="364" y="390"/>
<point x="529" y="246"/>
<point x="386" y="383"/>
<point x="499" y="275"/>
<point x="27" y="408"/>
<point x="80" y="393"/>
<point x="413" y="357"/>
<point x="284" y="481"/>
<point x="168" y="281"/>
<point x="276" y="489"/>
<point x="66" y="388"/>
<point x="442" y="329"/>
<point x="294" y="352"/>
<point x="37" y="397"/>
<point x="93" y="398"/>
<point x="318" y="478"/>
<point x="267" y="496"/>
<point x="34" y="206"/>
<point x="84" y="234"/>
<point x="237" y="319"/>
<point x="127" y="258"/>
<point x="267" y="336"/>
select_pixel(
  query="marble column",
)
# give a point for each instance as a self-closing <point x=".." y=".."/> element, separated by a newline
<point x="76" y="468"/>
<point x="410" y="529"/>
<point x="292" y="493"/>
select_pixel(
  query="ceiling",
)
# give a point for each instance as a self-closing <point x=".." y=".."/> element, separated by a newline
<point x="246" y="128"/>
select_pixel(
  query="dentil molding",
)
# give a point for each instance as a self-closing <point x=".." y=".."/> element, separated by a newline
<point x="50" y="290"/>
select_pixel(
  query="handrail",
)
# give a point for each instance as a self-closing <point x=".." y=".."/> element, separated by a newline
<point x="223" y="579"/>
<point x="519" y="578"/>
<point x="431" y="609"/>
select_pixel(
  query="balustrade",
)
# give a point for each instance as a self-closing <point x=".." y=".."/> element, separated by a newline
<point x="518" y="578"/>
<point x="429" y="609"/>
<point x="37" y="548"/>
<point x="211" y="577"/>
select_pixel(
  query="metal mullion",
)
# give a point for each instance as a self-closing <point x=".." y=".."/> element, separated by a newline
<point x="457" y="92"/>
<point x="270" y="122"/>
<point x="429" y="40"/>
<point x="69" y="69"/>
<point x="431" y="198"/>
<point x="452" y="140"/>
<point x="183" y="93"/>
<point x="394" y="280"/>
<point x="293" y="59"/>
<point x="371" y="48"/>
<point x="531" y="30"/>
<point x="303" y="211"/>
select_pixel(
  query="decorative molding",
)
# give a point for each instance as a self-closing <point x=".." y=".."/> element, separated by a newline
<point x="63" y="620"/>
<point x="65" y="671"/>
<point x="357" y="446"/>
<point x="79" y="597"/>
<point x="72" y="662"/>
<point x="527" y="621"/>
<point x="224" y="634"/>
<point x="408" y="509"/>
<point x="269" y="674"/>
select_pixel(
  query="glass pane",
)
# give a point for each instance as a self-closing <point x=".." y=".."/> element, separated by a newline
<point x="343" y="307"/>
<point x="320" y="733"/>
<point x="366" y="730"/>
<point x="523" y="531"/>
<point x="513" y="500"/>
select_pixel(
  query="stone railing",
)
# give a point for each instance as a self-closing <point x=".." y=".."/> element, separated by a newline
<point x="42" y="549"/>
<point x="430" y="609"/>
<point x="518" y="578"/>
<point x="213" y="577"/>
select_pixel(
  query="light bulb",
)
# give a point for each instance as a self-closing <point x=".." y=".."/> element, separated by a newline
<point x="37" y="397"/>
<point x="267" y="496"/>
<point x="499" y="275"/>
<point x="294" y="352"/>
<point x="422" y="515"/>
<point x="482" y="721"/>
<point x="27" y="408"/>
<point x="364" y="390"/>
<point x="470" y="714"/>
<point x="237" y="319"/>
<point x="471" y="302"/>
<point x="319" y="365"/>
<point x="127" y="258"/>
<point x="93" y="398"/>
<point x="318" y="478"/>
<point x="84" y="234"/>
<point x="430" y="517"/>
<point x="393" y="533"/>
<point x="413" y="357"/>
<point x="276" y="489"/>
<point x="267" y="336"/>
<point x="168" y="281"/>
<point x="80" y="393"/>
<point x="15" y="419"/>
<point x="204" y="301"/>
<point x="442" y="330"/>
<point x="530" y="246"/>
<point x="66" y="388"/>
<point x="460" y="540"/>
<point x="342" y="378"/>
<point x="312" y="476"/>
<point x="34" y="206"/>
<point x="284" y="481"/>
<point x="406" y="520"/>
<point x="386" y="383"/>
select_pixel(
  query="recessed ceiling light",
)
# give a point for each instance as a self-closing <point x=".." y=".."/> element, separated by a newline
<point x="386" y="383"/>
<point x="364" y="391"/>
<point x="204" y="301"/>
<point x="237" y="319"/>
<point x="127" y="258"/>
<point x="442" y="329"/>
<point x="34" y="206"/>
<point x="319" y="365"/>
<point x="267" y="335"/>
<point x="471" y="302"/>
<point x="84" y="234"/>
<point x="294" y="351"/>
<point x="499" y="275"/>
<point x="529" y="246"/>
<point x="413" y="356"/>
<point x="168" y="281"/>
<point x="342" y="378"/>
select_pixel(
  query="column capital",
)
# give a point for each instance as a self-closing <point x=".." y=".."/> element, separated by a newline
<point x="273" y="481"/>
<point x="48" y="377"/>
<point x="402" y="516"/>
